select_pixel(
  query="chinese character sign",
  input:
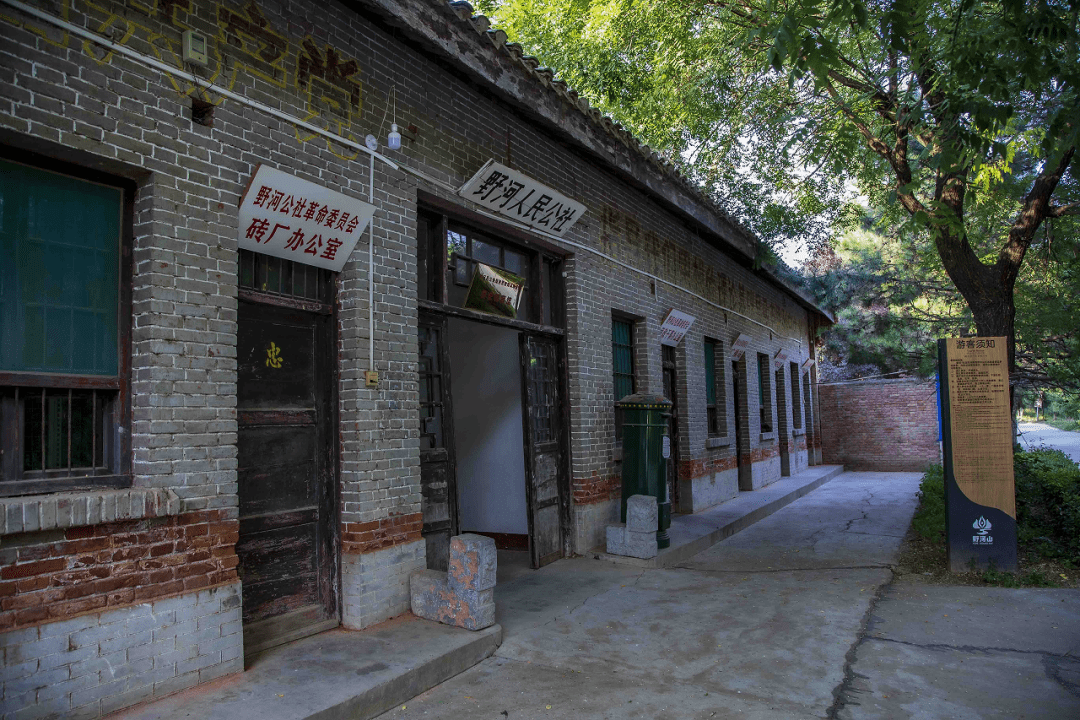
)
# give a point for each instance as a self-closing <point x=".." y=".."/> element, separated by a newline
<point x="494" y="291"/>
<point x="674" y="327"/>
<point x="740" y="346"/>
<point x="284" y="216"/>
<point x="977" y="442"/>
<point x="781" y="358"/>
<point x="519" y="197"/>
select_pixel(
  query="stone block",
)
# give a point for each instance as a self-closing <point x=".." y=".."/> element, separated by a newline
<point x="641" y="515"/>
<point x="641" y="544"/>
<point x="473" y="562"/>
<point x="434" y="599"/>
<point x="616" y="539"/>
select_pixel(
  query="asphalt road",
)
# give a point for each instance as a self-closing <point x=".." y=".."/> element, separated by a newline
<point x="1033" y="435"/>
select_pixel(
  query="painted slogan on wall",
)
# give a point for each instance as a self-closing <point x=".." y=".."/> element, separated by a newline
<point x="245" y="43"/>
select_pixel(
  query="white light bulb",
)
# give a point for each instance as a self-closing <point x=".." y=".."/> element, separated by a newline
<point x="393" y="140"/>
<point x="372" y="143"/>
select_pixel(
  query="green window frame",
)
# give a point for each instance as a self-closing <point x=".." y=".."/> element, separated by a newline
<point x="764" y="393"/>
<point x="65" y="308"/>
<point x="622" y="364"/>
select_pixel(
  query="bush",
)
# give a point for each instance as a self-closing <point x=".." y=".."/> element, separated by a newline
<point x="1048" y="503"/>
<point x="929" y="520"/>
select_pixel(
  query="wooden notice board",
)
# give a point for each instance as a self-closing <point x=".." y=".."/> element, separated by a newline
<point x="977" y="440"/>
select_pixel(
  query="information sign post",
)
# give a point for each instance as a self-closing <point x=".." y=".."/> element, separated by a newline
<point x="980" y="495"/>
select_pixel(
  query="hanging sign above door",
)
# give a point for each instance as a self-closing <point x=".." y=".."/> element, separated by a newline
<point x="519" y="197"/>
<point x="780" y="359"/>
<point x="674" y="327"/>
<point x="286" y="217"/>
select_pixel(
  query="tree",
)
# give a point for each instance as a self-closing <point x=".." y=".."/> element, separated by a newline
<point x="958" y="117"/>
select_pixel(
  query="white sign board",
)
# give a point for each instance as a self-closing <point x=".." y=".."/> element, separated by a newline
<point x="740" y="346"/>
<point x="286" y="217"/>
<point x="807" y="364"/>
<point x="674" y="327"/>
<point x="780" y="359"/>
<point x="519" y="197"/>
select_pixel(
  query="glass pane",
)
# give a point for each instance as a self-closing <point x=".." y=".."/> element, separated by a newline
<point x="710" y="373"/>
<point x="247" y="269"/>
<point x="515" y="262"/>
<point x="486" y="252"/>
<point x="82" y="429"/>
<point x="61" y="242"/>
<point x="456" y="249"/>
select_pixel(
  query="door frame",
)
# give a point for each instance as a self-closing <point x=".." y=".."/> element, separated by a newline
<point x="327" y="435"/>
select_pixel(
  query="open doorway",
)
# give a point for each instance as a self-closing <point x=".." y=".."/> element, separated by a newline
<point x="490" y="447"/>
<point x="494" y="456"/>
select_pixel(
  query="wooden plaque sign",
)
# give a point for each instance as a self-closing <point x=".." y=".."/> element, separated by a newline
<point x="977" y="435"/>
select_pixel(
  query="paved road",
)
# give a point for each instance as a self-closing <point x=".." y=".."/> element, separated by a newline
<point x="1033" y="435"/>
<point x="796" y="617"/>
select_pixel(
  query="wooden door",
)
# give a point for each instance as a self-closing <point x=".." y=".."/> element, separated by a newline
<point x="286" y="471"/>
<point x="438" y="487"/>
<point x="545" y="454"/>
<point x="671" y="385"/>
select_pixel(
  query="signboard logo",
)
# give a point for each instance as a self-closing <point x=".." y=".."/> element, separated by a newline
<point x="982" y="526"/>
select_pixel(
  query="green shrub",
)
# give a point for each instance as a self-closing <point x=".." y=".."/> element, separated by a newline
<point x="929" y="520"/>
<point x="1048" y="503"/>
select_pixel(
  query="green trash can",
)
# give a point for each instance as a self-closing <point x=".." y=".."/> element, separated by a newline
<point x="645" y="448"/>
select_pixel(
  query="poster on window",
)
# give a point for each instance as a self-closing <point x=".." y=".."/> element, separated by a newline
<point x="286" y="217"/>
<point x="494" y="291"/>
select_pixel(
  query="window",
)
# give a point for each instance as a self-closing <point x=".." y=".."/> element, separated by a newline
<point x="764" y="392"/>
<point x="622" y="362"/>
<point x="64" y="326"/>
<point x="796" y="407"/>
<point x="449" y="250"/>
<point x="715" y="401"/>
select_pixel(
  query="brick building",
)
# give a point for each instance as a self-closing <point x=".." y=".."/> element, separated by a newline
<point x="220" y="435"/>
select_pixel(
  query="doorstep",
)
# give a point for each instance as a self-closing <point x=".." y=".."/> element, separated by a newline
<point x="691" y="534"/>
<point x="336" y="674"/>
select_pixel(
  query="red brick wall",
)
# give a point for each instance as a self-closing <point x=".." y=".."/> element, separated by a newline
<point x="888" y="425"/>
<point x="357" y="538"/>
<point x="597" y="488"/>
<point x="56" y="575"/>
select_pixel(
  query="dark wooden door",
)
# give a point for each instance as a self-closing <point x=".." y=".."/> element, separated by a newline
<point x="671" y="385"/>
<point x="545" y="452"/>
<point x="438" y="487"/>
<point x="286" y="469"/>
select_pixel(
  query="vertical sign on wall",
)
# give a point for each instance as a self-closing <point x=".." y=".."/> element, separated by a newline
<point x="980" y="496"/>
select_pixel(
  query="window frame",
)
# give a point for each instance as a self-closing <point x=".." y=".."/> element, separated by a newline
<point x="765" y="394"/>
<point x="14" y="480"/>
<point x="630" y="322"/>
<point x="715" y="412"/>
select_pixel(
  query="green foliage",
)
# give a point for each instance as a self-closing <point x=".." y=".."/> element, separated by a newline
<point x="945" y="116"/>
<point x="1047" y="504"/>
<point x="929" y="519"/>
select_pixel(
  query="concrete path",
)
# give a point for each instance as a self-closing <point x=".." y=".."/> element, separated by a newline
<point x="1033" y="435"/>
<point x="758" y="626"/>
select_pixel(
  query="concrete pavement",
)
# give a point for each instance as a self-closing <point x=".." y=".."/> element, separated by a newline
<point x="1033" y="435"/>
<point x="758" y="626"/>
<point x="797" y="616"/>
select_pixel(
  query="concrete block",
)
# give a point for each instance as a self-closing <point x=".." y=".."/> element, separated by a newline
<point x="426" y="590"/>
<point x="641" y="545"/>
<point x="434" y="599"/>
<point x="616" y="539"/>
<point x="641" y="514"/>
<point x="473" y="562"/>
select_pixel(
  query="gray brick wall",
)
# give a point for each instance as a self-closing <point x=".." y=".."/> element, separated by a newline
<point x="375" y="585"/>
<point x="94" y="664"/>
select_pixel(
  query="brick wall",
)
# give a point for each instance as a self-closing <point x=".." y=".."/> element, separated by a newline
<point x="55" y="575"/>
<point x="888" y="425"/>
